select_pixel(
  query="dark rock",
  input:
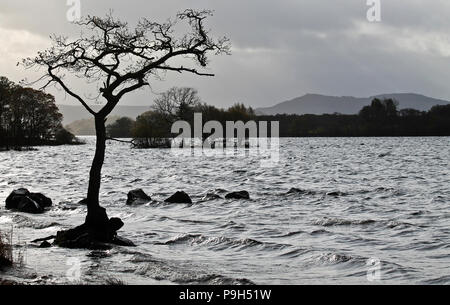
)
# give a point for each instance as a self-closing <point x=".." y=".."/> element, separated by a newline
<point x="295" y="190"/>
<point x="80" y="238"/>
<point x="336" y="194"/>
<point x="28" y="205"/>
<point x="115" y="224"/>
<point x="238" y="195"/>
<point x="138" y="196"/>
<point x="45" y="244"/>
<point x="12" y="201"/>
<point x="40" y="199"/>
<point x="122" y="241"/>
<point x="179" y="197"/>
<point x="24" y="201"/>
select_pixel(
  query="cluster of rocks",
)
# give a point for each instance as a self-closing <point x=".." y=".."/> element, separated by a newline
<point x="24" y="201"/>
<point x="87" y="237"/>
<point x="138" y="197"/>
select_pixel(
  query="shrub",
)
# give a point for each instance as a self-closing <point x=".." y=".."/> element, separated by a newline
<point x="63" y="136"/>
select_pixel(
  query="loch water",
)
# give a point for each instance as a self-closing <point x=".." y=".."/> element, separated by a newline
<point x="367" y="210"/>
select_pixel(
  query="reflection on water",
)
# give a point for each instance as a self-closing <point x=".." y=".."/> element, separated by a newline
<point x="356" y="199"/>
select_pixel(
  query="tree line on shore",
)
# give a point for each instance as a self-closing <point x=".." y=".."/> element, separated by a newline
<point x="29" y="117"/>
<point x="380" y="118"/>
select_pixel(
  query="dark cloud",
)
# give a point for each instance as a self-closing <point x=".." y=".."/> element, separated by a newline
<point x="281" y="49"/>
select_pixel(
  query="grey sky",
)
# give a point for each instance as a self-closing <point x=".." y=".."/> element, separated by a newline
<point x="281" y="49"/>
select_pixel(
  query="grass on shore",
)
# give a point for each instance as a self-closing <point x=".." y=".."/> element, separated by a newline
<point x="7" y="257"/>
<point x="6" y="250"/>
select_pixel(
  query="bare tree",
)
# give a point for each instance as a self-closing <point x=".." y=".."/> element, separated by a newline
<point x="177" y="103"/>
<point x="120" y="60"/>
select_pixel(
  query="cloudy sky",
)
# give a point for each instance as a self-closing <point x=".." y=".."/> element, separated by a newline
<point x="281" y="49"/>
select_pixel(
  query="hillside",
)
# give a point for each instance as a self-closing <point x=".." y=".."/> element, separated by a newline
<point x="86" y="127"/>
<point x="322" y="104"/>
<point x="74" y="113"/>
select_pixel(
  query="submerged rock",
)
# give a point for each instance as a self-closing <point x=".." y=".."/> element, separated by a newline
<point x="211" y="196"/>
<point x="238" y="195"/>
<point x="122" y="241"/>
<point x="24" y="201"/>
<point x="45" y="244"/>
<point x="295" y="190"/>
<point x="137" y="196"/>
<point x="179" y="197"/>
<point x="336" y="194"/>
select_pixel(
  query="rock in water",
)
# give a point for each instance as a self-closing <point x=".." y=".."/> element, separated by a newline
<point x="211" y="196"/>
<point x="45" y="244"/>
<point x="122" y="241"/>
<point x="12" y="202"/>
<point x="138" y="196"/>
<point x="336" y="194"/>
<point x="28" y="205"/>
<point x="179" y="197"/>
<point x="24" y="201"/>
<point x="295" y="190"/>
<point x="238" y="195"/>
<point x="42" y="200"/>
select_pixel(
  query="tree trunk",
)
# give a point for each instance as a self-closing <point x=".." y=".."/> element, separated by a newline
<point x="96" y="219"/>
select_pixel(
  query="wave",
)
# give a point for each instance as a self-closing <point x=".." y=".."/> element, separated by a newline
<point x="293" y="233"/>
<point x="221" y="243"/>
<point x="179" y="273"/>
<point x="329" y="222"/>
<point x="334" y="258"/>
<point x="23" y="221"/>
<point x="295" y="253"/>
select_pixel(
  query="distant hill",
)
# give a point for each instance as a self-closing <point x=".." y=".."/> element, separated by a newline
<point x="76" y="113"/>
<point x="322" y="104"/>
<point x="86" y="127"/>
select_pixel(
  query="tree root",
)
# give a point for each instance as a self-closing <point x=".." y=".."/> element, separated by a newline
<point x="92" y="236"/>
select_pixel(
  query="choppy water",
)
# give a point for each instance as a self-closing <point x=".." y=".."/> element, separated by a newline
<point x="391" y="202"/>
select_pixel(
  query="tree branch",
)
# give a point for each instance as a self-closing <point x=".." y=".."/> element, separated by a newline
<point x="70" y="92"/>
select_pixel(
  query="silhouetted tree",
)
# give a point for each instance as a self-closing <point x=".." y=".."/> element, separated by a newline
<point x="177" y="103"/>
<point x="240" y="112"/>
<point x="380" y="110"/>
<point x="150" y="129"/>
<point x="27" y="116"/>
<point x="121" y="60"/>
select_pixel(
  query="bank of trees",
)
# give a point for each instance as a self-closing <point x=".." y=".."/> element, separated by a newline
<point x="29" y="117"/>
<point x="380" y="118"/>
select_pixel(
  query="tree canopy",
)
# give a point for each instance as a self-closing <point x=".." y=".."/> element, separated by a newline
<point x="28" y="117"/>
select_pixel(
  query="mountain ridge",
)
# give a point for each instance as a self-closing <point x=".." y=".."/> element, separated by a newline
<point x="313" y="103"/>
<point x="72" y="113"/>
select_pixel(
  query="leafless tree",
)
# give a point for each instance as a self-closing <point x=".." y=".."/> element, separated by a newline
<point x="176" y="102"/>
<point x="120" y="60"/>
